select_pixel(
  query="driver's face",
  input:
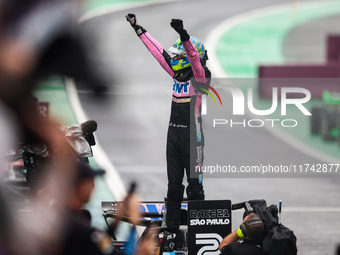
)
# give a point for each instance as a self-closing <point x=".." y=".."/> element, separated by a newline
<point x="177" y="57"/>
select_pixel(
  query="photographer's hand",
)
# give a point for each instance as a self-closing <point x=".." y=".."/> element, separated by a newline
<point x="148" y="244"/>
<point x="246" y="218"/>
<point x="231" y="238"/>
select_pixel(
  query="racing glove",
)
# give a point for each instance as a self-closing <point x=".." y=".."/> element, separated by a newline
<point x="177" y="24"/>
<point x="131" y="18"/>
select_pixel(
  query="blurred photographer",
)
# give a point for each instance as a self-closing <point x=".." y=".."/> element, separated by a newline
<point x="246" y="240"/>
<point x="37" y="155"/>
<point x="80" y="237"/>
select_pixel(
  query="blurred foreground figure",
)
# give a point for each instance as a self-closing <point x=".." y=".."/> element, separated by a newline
<point x="37" y="38"/>
<point x="41" y="38"/>
<point x="80" y="238"/>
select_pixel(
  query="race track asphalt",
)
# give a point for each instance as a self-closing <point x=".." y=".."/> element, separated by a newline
<point x="133" y="121"/>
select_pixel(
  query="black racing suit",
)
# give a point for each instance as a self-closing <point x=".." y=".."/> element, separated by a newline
<point x="247" y="247"/>
<point x="185" y="139"/>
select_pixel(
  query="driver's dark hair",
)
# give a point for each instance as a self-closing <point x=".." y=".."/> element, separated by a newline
<point x="255" y="231"/>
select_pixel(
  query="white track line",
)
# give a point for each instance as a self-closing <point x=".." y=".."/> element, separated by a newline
<point x="111" y="177"/>
<point x="217" y="70"/>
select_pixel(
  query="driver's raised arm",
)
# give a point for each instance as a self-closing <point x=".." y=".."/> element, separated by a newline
<point x="151" y="44"/>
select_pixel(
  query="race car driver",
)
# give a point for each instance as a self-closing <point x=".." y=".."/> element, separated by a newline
<point x="185" y="139"/>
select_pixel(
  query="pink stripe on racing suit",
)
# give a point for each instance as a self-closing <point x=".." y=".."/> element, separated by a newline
<point x="184" y="92"/>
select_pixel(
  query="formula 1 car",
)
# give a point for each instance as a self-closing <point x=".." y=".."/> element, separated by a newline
<point x="204" y="224"/>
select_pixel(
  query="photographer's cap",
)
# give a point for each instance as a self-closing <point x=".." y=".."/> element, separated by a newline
<point x="85" y="171"/>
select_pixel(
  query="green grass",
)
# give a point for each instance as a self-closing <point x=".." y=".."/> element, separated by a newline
<point x="90" y="5"/>
<point x="259" y="41"/>
<point x="53" y="91"/>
